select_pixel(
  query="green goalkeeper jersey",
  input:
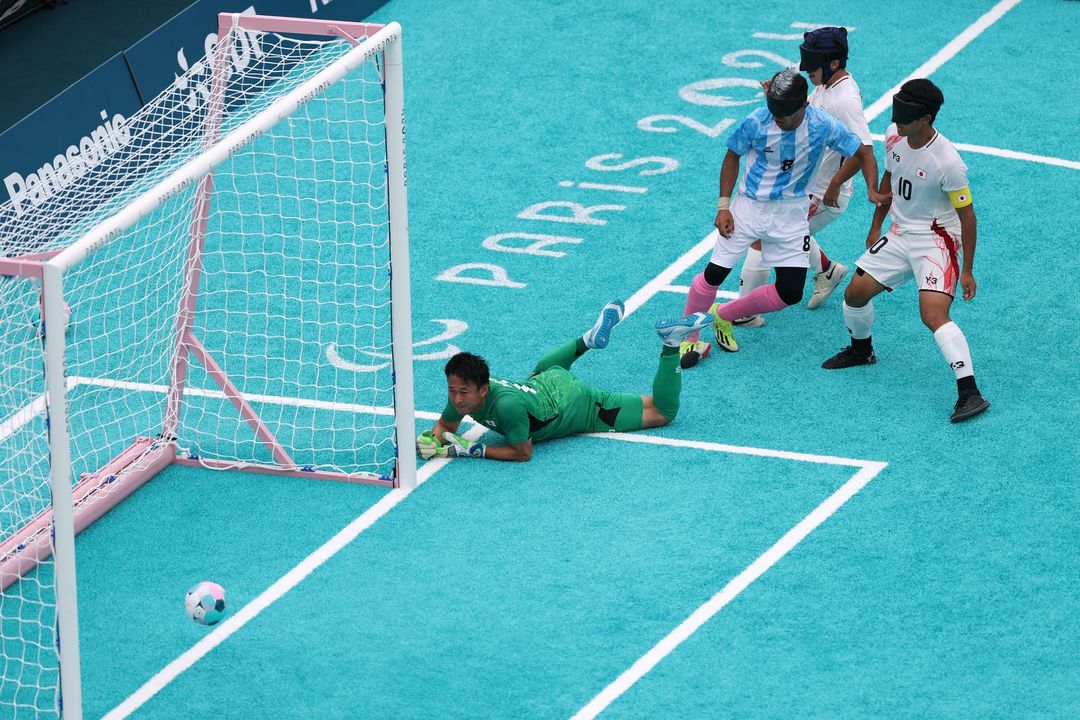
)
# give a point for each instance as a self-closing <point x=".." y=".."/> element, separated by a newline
<point x="550" y="404"/>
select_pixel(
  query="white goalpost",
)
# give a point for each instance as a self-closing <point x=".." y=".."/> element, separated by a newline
<point x="167" y="295"/>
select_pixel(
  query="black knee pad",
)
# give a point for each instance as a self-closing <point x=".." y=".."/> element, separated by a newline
<point x="715" y="274"/>
<point x="789" y="284"/>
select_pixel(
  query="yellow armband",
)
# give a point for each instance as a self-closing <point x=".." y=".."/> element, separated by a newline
<point x="960" y="198"/>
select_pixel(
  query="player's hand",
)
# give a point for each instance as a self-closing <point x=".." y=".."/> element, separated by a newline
<point x="427" y="445"/>
<point x="725" y="222"/>
<point x="967" y="282"/>
<point x="832" y="195"/>
<point x="879" y="199"/>
<point x="458" y="446"/>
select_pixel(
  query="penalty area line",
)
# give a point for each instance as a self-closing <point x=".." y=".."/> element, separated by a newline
<point x="729" y="592"/>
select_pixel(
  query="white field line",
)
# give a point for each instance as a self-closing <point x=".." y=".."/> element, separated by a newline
<point x="729" y="592"/>
<point x="646" y="663"/>
<point x="26" y="414"/>
<point x="667" y="275"/>
<point x="427" y="415"/>
<point x="1010" y="154"/>
<point x="683" y="289"/>
<point x="734" y="449"/>
<point x="944" y="55"/>
<point x="22" y="416"/>
<point x="266" y="399"/>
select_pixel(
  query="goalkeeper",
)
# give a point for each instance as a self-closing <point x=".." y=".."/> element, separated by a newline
<point x="553" y="403"/>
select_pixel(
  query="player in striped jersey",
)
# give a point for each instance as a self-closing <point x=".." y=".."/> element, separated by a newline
<point x="783" y="144"/>
<point x="931" y="208"/>
<point x="552" y="402"/>
<point x="824" y="54"/>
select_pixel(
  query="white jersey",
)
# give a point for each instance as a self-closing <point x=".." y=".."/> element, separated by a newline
<point x="928" y="183"/>
<point x="844" y="102"/>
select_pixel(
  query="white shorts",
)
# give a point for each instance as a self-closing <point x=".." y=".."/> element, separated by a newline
<point x="821" y="215"/>
<point x="780" y="225"/>
<point x="933" y="259"/>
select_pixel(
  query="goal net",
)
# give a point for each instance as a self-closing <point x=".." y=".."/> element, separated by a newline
<point x="173" y="292"/>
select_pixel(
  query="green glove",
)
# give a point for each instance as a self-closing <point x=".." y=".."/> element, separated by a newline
<point x="428" y="446"/>
<point x="458" y="446"/>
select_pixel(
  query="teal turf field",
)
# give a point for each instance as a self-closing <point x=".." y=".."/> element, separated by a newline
<point x="799" y="543"/>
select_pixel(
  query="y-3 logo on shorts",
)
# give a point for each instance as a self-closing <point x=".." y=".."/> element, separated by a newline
<point x="957" y="365"/>
<point x="931" y="280"/>
<point x="786" y="165"/>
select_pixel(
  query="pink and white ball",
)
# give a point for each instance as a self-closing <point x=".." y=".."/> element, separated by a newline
<point x="205" y="603"/>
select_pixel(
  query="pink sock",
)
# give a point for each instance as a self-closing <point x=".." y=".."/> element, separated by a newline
<point x="701" y="297"/>
<point x="762" y="300"/>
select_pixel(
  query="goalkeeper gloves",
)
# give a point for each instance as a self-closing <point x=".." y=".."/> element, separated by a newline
<point x="458" y="446"/>
<point x="429" y="446"/>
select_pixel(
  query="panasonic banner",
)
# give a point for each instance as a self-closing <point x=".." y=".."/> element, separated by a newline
<point x="86" y="123"/>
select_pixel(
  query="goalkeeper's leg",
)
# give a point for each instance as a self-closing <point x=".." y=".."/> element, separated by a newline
<point x="562" y="356"/>
<point x="663" y="405"/>
<point x="595" y="337"/>
<point x="626" y="412"/>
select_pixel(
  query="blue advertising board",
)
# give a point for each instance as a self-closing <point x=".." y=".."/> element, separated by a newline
<point x="85" y="112"/>
<point x="60" y="130"/>
<point x="169" y="51"/>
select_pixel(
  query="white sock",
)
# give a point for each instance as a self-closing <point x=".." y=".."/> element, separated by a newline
<point x="754" y="274"/>
<point x="950" y="338"/>
<point x="859" y="320"/>
<point x="815" y="255"/>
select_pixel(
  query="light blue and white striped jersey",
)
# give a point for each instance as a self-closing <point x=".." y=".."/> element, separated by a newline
<point x="781" y="164"/>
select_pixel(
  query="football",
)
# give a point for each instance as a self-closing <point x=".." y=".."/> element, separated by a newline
<point x="205" y="603"/>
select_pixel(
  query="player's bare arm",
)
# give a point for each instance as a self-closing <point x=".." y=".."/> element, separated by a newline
<point x="863" y="160"/>
<point x="729" y="173"/>
<point x="880" y="211"/>
<point x="522" y="452"/>
<point x="967" y="240"/>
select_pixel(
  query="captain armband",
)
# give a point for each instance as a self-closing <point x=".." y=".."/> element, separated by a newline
<point x="960" y="198"/>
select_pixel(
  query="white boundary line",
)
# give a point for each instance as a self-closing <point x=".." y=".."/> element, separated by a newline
<point x="684" y="289"/>
<point x="729" y="592"/>
<point x="734" y="449"/>
<point x="943" y="55"/>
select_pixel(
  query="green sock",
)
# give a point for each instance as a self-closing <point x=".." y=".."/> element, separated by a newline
<point x="563" y="356"/>
<point x="667" y="384"/>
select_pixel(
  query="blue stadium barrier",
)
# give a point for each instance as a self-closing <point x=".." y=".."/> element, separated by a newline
<point x="85" y="112"/>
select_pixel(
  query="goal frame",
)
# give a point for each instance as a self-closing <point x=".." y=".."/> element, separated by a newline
<point x="53" y="531"/>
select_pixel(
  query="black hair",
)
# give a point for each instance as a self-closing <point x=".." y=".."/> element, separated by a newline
<point x="470" y="368"/>
<point x="921" y="91"/>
